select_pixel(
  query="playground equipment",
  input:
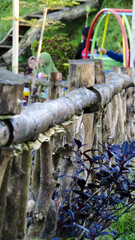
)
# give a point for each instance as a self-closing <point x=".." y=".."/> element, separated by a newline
<point x="125" y="29"/>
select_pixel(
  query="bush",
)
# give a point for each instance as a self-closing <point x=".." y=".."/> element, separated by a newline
<point x="94" y="204"/>
<point x="60" y="48"/>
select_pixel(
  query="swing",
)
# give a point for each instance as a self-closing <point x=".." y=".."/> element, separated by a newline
<point x="108" y="62"/>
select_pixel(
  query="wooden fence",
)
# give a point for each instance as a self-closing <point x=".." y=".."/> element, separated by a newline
<point x="37" y="141"/>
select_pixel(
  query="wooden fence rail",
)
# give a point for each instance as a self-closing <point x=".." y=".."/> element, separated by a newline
<point x="34" y="140"/>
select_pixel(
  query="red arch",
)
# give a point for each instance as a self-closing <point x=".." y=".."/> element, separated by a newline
<point x="122" y="29"/>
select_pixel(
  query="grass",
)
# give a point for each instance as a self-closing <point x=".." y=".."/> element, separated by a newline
<point x="125" y="226"/>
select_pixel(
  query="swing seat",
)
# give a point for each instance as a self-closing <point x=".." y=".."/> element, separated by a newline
<point x="108" y="62"/>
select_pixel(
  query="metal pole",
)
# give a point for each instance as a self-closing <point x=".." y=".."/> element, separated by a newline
<point x="15" y="44"/>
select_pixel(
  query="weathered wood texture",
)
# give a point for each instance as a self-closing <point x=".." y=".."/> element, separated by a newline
<point x="5" y="156"/>
<point x="24" y="191"/>
<point x="36" y="174"/>
<point x="52" y="93"/>
<point x="98" y="68"/>
<point x="18" y="78"/>
<point x="11" y="93"/>
<point x="105" y="113"/>
<point x="81" y="74"/>
<point x="10" y="226"/>
<point x="68" y="14"/>
<point x="4" y="133"/>
<point x="38" y="117"/>
<point x="4" y="159"/>
<point x="126" y="70"/>
<point x="45" y="190"/>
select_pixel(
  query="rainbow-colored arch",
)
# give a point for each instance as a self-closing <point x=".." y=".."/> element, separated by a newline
<point x="116" y="13"/>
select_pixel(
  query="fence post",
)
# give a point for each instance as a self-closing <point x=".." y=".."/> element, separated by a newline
<point x="126" y="70"/>
<point x="54" y="77"/>
<point x="24" y="191"/>
<point x="11" y="94"/>
<point x="5" y="169"/>
<point x="45" y="190"/>
<point x="81" y="74"/>
<point x="85" y="73"/>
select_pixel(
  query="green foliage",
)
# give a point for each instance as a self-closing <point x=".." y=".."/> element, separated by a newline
<point x="49" y="4"/>
<point x="60" y="48"/>
<point x="125" y="224"/>
<point x="5" y="5"/>
<point x="129" y="237"/>
<point x="117" y="4"/>
<point x="6" y="10"/>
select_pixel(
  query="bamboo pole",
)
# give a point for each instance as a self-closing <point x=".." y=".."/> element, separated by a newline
<point x="15" y="51"/>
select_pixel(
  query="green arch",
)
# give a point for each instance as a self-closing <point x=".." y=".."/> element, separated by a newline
<point x="128" y="29"/>
<point x="95" y="34"/>
<point x="97" y="30"/>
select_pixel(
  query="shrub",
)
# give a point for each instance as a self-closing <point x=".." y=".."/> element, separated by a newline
<point x="60" y="48"/>
<point x="95" y="203"/>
